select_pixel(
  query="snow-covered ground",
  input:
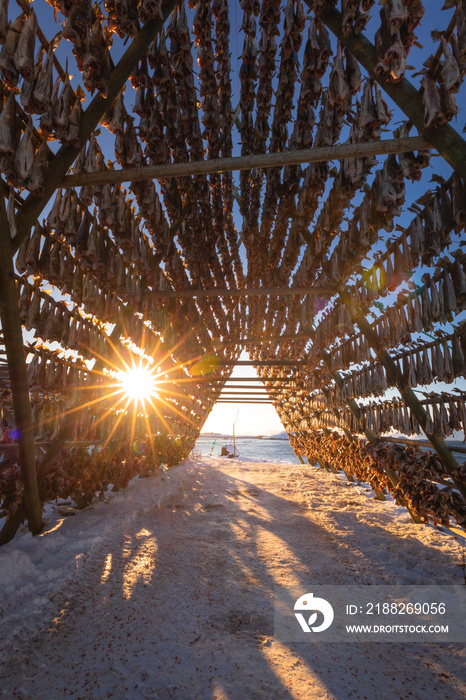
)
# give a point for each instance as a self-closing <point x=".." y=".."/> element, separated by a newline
<point x="165" y="590"/>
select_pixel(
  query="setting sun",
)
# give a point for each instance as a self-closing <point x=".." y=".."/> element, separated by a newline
<point x="138" y="383"/>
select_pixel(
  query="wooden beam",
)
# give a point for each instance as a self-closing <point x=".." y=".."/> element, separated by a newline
<point x="407" y="394"/>
<point x="215" y="380"/>
<point x="13" y="446"/>
<point x="247" y="394"/>
<point x="444" y="139"/>
<point x="259" y="341"/>
<point x="254" y="389"/>
<point x="249" y="292"/>
<point x="16" y="358"/>
<point x="243" y="401"/>
<point x="262" y="160"/>
<point x="66" y="155"/>
<point x="266" y="363"/>
<point x="370" y="436"/>
<point x="423" y="443"/>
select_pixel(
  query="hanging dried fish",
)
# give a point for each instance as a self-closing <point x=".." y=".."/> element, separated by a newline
<point x="451" y="70"/>
<point x="10" y="73"/>
<point x="102" y="82"/>
<point x="449" y="295"/>
<point x="25" y="154"/>
<point x="389" y="47"/>
<point x="126" y="12"/>
<point x="8" y="142"/>
<point x="20" y="262"/>
<point x="338" y="90"/>
<point x="43" y="84"/>
<point x="24" y="54"/>
<point x="117" y="123"/>
<point x="3" y="20"/>
<point x="33" y="318"/>
<point x="79" y="20"/>
<point x="10" y="212"/>
<point x="93" y="56"/>
<point x="458" y="197"/>
<point x="459" y="278"/>
<point x="449" y="374"/>
<point x="47" y="120"/>
<point x="61" y="110"/>
<point x="353" y="73"/>
<point x="410" y="163"/>
<point x="36" y="182"/>
<point x="74" y="128"/>
<point x="433" y="112"/>
<point x="150" y="9"/>
<point x="457" y="356"/>
<point x="33" y="251"/>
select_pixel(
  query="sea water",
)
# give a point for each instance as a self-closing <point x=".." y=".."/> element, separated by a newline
<point x="254" y="449"/>
<point x="257" y="449"/>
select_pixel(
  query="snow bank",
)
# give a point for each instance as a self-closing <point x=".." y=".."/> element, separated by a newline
<point x="95" y="599"/>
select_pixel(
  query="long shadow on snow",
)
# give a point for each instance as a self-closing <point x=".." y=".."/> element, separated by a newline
<point x="188" y="610"/>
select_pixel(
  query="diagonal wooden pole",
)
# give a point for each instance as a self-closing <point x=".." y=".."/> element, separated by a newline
<point x="444" y="453"/>
<point x="444" y="139"/>
<point x="66" y="155"/>
<point x="370" y="436"/>
<point x="16" y="358"/>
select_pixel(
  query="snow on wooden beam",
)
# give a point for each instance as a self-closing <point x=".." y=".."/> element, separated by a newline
<point x="262" y="160"/>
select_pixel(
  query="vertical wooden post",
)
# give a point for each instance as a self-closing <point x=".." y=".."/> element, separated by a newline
<point x="409" y="397"/>
<point x="75" y="412"/>
<point x="16" y="358"/>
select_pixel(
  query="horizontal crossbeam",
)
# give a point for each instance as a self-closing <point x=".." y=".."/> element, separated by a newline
<point x="246" y="394"/>
<point x="216" y="380"/>
<point x="243" y="401"/>
<point x="266" y="363"/>
<point x="259" y="340"/>
<point x="255" y="389"/>
<point x="250" y="292"/>
<point x="262" y="160"/>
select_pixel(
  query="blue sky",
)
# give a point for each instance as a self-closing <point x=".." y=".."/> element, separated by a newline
<point x="435" y="19"/>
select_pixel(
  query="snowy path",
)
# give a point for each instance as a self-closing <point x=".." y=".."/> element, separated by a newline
<point x="173" y="593"/>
